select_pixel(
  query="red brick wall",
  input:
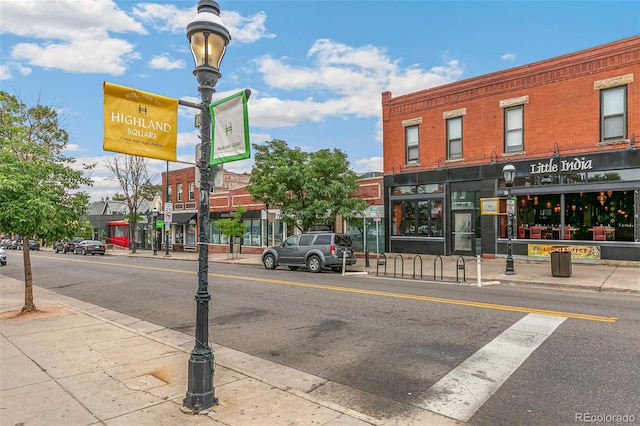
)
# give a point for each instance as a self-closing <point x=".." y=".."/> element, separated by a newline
<point x="563" y="108"/>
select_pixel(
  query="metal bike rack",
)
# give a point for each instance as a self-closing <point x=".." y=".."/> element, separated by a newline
<point x="414" y="266"/>
<point x="394" y="265"/>
<point x="461" y="266"/>
<point x="381" y="260"/>
<point x="434" y="267"/>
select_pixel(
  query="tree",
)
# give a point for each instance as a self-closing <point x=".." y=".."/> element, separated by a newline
<point x="39" y="187"/>
<point x="310" y="188"/>
<point x="232" y="227"/>
<point x="131" y="173"/>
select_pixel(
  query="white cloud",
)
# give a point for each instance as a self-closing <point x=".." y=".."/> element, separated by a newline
<point x="113" y="53"/>
<point x="346" y="80"/>
<point x="166" y="17"/>
<point x="508" y="57"/>
<point x="164" y="61"/>
<point x="364" y="165"/>
<point x="5" y="70"/>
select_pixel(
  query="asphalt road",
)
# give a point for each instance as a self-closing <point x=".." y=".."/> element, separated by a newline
<point x="389" y="343"/>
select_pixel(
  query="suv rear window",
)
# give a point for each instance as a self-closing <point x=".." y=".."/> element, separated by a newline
<point x="343" y="240"/>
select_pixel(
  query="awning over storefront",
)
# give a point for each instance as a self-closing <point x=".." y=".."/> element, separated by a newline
<point x="182" y="217"/>
<point x="118" y="223"/>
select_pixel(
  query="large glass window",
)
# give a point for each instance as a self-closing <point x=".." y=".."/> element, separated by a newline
<point x="586" y="216"/>
<point x="412" y="144"/>
<point x="421" y="218"/>
<point x="514" y="129"/>
<point x="179" y="191"/>
<point x="454" y="138"/>
<point x="613" y="113"/>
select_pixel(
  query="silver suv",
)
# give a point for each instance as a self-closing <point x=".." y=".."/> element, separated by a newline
<point x="314" y="251"/>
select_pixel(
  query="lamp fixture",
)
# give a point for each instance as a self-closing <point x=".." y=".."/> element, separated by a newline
<point x="444" y="163"/>
<point x="494" y="157"/>
<point x="556" y="150"/>
<point x="632" y="142"/>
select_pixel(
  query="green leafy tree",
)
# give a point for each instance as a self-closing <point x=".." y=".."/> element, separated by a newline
<point x="131" y="173"/>
<point x="232" y="227"/>
<point x="310" y="188"/>
<point x="39" y="186"/>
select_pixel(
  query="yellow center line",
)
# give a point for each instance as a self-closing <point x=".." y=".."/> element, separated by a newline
<point x="380" y="293"/>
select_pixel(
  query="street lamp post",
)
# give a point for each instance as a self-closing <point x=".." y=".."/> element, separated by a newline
<point x="154" y="213"/>
<point x="509" y="173"/>
<point x="208" y="38"/>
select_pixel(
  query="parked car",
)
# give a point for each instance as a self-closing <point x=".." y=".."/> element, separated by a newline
<point x="66" y="246"/>
<point x="3" y="257"/>
<point x="89" y="247"/>
<point x="34" y="245"/>
<point x="314" y="251"/>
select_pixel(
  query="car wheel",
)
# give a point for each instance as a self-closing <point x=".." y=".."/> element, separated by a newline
<point x="101" y="254"/>
<point x="336" y="269"/>
<point x="56" y="250"/>
<point x="269" y="261"/>
<point x="294" y="268"/>
<point x="4" y="263"/>
<point x="313" y="264"/>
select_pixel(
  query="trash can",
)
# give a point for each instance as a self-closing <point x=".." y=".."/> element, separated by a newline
<point x="561" y="261"/>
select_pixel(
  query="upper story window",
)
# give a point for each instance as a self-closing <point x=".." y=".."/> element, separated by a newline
<point x="179" y="191"/>
<point x="411" y="143"/>
<point x="454" y="138"/>
<point x="192" y="191"/>
<point x="169" y="194"/>
<point x="613" y="113"/>
<point x="514" y="129"/>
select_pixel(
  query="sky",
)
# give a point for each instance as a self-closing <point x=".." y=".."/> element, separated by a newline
<point x="316" y="69"/>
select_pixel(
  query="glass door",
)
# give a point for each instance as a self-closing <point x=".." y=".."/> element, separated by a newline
<point x="463" y="235"/>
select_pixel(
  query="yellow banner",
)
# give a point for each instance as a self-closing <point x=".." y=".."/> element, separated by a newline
<point x="577" y="252"/>
<point x="140" y="123"/>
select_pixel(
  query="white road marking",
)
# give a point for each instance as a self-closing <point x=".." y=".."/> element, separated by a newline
<point x="462" y="392"/>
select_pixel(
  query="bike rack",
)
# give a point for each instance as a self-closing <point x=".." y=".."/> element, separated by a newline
<point x="414" y="266"/>
<point x="401" y="264"/>
<point x="381" y="260"/>
<point x="434" y="267"/>
<point x="461" y="266"/>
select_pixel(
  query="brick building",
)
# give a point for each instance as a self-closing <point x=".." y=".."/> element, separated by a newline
<point x="566" y="124"/>
<point x="264" y="226"/>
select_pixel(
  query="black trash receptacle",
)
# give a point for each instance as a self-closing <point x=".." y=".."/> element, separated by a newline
<point x="561" y="261"/>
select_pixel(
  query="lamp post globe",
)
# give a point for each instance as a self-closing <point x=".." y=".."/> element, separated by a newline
<point x="208" y="38"/>
<point x="509" y="174"/>
<point x="154" y="214"/>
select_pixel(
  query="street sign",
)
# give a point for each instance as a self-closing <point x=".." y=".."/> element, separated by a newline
<point x="511" y="205"/>
<point x="168" y="216"/>
<point x="168" y="207"/>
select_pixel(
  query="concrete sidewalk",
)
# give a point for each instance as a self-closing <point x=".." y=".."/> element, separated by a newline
<point x="80" y="364"/>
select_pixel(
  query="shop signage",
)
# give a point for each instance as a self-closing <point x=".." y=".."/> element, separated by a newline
<point x="577" y="251"/>
<point x="555" y="165"/>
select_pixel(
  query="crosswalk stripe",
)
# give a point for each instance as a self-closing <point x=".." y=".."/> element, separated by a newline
<point x="462" y="392"/>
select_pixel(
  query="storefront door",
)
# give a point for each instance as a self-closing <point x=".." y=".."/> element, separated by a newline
<point x="463" y="235"/>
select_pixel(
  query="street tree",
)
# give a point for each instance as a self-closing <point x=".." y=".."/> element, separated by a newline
<point x="40" y="193"/>
<point x="131" y="173"/>
<point x="309" y="188"/>
<point x="232" y="227"/>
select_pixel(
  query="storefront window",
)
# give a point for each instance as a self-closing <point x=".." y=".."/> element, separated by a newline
<point x="583" y="216"/>
<point x="420" y="218"/>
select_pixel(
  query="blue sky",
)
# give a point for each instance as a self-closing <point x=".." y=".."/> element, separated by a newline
<point x="316" y="69"/>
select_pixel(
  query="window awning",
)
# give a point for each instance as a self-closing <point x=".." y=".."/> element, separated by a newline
<point x="182" y="217"/>
<point x="118" y="223"/>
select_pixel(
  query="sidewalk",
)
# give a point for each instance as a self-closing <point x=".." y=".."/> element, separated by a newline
<point x="80" y="364"/>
